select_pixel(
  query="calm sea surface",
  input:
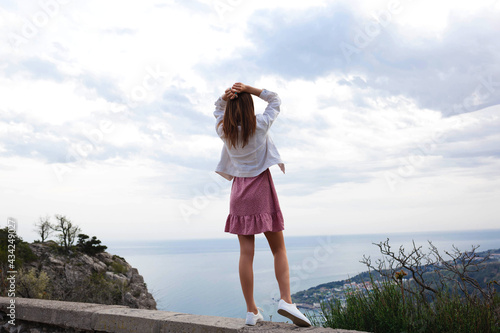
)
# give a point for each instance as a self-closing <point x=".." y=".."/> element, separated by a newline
<point x="201" y="276"/>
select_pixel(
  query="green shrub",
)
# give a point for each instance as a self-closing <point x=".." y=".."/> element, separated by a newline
<point x="390" y="309"/>
<point x="32" y="284"/>
<point x="57" y="248"/>
<point x="22" y="251"/>
<point x="97" y="289"/>
<point x="14" y="252"/>
<point x="441" y="296"/>
<point x="117" y="256"/>
<point x="90" y="247"/>
<point x="118" y="268"/>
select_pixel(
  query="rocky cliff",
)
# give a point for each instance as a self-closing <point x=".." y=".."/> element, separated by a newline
<point x="101" y="278"/>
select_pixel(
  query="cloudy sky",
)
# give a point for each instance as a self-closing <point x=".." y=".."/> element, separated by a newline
<point x="390" y="115"/>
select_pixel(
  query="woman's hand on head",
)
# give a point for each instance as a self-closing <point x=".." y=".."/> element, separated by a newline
<point x="225" y="95"/>
<point x="239" y="87"/>
<point x="229" y="94"/>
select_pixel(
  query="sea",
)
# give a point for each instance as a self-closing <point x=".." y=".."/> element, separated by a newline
<point x="200" y="276"/>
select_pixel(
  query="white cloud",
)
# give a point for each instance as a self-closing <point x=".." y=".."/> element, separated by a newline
<point x="50" y="102"/>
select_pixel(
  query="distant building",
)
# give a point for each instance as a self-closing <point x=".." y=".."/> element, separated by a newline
<point x="495" y="256"/>
<point x="351" y="285"/>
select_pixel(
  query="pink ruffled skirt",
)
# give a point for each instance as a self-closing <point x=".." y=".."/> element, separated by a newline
<point x="254" y="207"/>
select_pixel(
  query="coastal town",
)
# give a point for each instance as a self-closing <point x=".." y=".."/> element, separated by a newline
<point x="311" y="300"/>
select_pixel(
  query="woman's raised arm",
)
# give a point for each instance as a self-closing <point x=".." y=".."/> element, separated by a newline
<point x="240" y="87"/>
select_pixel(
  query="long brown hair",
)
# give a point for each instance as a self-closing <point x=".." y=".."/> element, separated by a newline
<point x="239" y="111"/>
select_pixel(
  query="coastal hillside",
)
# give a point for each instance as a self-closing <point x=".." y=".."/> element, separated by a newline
<point x="101" y="278"/>
<point x="312" y="297"/>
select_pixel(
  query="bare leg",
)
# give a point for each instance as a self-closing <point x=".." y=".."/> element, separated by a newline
<point x="277" y="245"/>
<point x="247" y="247"/>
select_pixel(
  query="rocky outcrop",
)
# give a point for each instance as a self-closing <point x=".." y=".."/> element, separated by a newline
<point x="101" y="278"/>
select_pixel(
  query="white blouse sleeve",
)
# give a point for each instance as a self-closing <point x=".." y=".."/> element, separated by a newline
<point x="272" y="110"/>
<point x="220" y="108"/>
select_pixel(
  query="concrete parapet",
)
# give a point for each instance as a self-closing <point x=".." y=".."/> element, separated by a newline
<point x="120" y="319"/>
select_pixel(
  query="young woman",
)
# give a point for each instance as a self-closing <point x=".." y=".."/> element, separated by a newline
<point x="247" y="154"/>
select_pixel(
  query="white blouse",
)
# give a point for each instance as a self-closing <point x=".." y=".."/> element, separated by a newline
<point x="260" y="152"/>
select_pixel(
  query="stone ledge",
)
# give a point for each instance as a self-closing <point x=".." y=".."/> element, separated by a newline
<point x="121" y="319"/>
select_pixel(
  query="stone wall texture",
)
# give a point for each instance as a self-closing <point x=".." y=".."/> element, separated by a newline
<point x="38" y="315"/>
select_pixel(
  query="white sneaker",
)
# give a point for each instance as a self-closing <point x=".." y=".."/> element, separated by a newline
<point x="291" y="312"/>
<point x="253" y="318"/>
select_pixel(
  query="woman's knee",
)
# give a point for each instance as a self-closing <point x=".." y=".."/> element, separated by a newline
<point x="247" y="252"/>
<point x="247" y="245"/>
<point x="279" y="252"/>
<point x="276" y="242"/>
